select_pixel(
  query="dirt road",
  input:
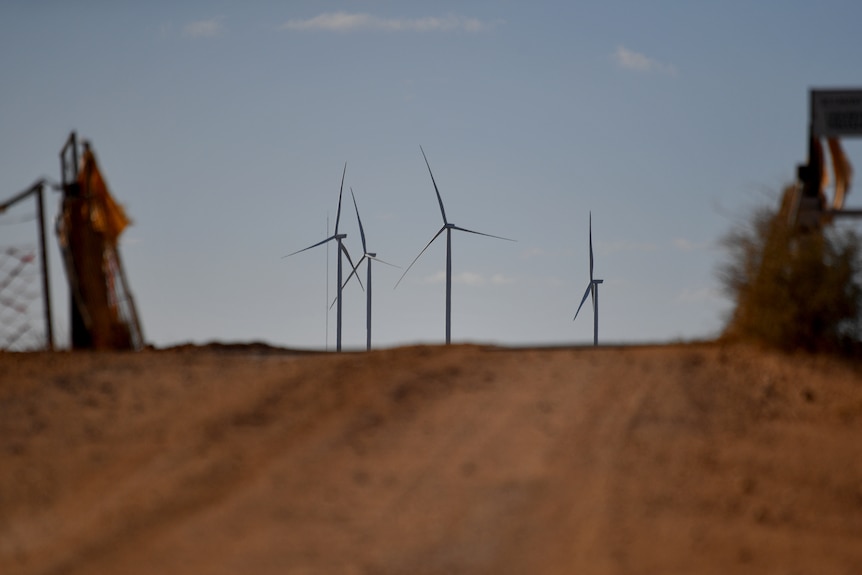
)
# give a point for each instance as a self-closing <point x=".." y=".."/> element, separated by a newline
<point x="430" y="460"/>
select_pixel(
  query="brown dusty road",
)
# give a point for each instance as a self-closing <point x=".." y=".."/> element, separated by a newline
<point x="431" y="460"/>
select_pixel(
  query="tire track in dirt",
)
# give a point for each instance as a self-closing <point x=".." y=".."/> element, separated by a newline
<point x="569" y="527"/>
<point x="432" y="460"/>
<point x="180" y="463"/>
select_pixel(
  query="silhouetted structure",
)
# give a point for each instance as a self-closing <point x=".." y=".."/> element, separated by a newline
<point x="102" y="312"/>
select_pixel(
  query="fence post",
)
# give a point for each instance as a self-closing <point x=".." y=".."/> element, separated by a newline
<point x="46" y="282"/>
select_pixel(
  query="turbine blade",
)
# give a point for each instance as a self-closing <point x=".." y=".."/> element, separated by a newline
<point x="439" y="199"/>
<point x="437" y="235"/>
<point x="338" y="213"/>
<point x="376" y="259"/>
<point x="591" y="246"/>
<point x="309" y="247"/>
<point x="586" y="293"/>
<point x="352" y="273"/>
<point x="481" y="233"/>
<point x="361" y="231"/>
<point x="347" y="253"/>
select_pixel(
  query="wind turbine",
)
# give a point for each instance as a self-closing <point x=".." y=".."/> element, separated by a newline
<point x="339" y="238"/>
<point x="368" y="256"/>
<point x="593" y="290"/>
<point x="447" y="227"/>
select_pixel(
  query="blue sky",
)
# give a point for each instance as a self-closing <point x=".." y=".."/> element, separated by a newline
<point x="223" y="128"/>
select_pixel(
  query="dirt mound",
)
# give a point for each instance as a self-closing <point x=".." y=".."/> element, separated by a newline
<point x="425" y="460"/>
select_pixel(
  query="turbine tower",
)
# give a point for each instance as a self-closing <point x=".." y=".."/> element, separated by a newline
<point x="592" y="290"/>
<point x="368" y="256"/>
<point x="447" y="227"/>
<point x="339" y="238"/>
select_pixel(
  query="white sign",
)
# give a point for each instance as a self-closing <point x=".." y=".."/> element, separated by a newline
<point x="836" y="113"/>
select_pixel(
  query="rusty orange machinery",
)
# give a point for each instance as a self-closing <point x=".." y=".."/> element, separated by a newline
<point x="103" y="313"/>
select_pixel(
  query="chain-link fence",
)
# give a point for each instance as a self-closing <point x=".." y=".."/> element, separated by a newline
<point x="22" y="319"/>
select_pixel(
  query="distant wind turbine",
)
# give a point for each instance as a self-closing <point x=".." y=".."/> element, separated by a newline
<point x="592" y="289"/>
<point x="341" y="249"/>
<point x="368" y="256"/>
<point x="447" y="227"/>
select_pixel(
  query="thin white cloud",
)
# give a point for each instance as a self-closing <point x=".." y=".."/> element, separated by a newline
<point x="436" y="278"/>
<point x="468" y="278"/>
<point x="204" y="28"/>
<point x="631" y="60"/>
<point x="685" y="245"/>
<point x="699" y="295"/>
<point x="346" y="22"/>
<point x="531" y="253"/>
<point x="625" y="246"/>
<point x="500" y="279"/>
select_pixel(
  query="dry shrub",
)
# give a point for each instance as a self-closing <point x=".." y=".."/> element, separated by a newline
<point x="793" y="290"/>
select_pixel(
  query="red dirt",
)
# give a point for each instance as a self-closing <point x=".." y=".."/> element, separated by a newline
<point x="427" y="460"/>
